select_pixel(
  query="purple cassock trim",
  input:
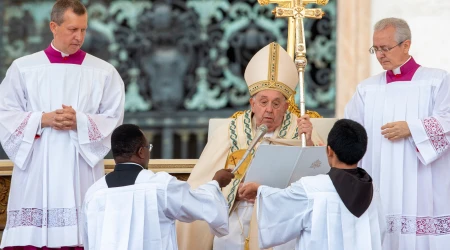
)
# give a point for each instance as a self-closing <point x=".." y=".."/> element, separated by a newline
<point x="407" y="72"/>
<point x="55" y="56"/>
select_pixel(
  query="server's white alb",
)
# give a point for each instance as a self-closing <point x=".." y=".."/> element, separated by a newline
<point x="311" y="212"/>
<point x="142" y="216"/>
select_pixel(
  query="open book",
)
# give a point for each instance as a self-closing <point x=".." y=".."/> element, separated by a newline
<point x="279" y="166"/>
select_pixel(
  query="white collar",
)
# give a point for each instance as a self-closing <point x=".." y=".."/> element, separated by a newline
<point x="62" y="53"/>
<point x="397" y="70"/>
<point x="268" y="134"/>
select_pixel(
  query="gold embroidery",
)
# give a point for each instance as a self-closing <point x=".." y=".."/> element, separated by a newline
<point x="272" y="76"/>
<point x="262" y="85"/>
<point x="273" y="64"/>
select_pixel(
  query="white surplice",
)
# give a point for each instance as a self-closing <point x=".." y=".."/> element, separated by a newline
<point x="142" y="216"/>
<point x="413" y="174"/>
<point x="52" y="172"/>
<point x="311" y="212"/>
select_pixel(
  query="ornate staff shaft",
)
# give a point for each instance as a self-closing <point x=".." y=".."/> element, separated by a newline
<point x="300" y="62"/>
<point x="295" y="9"/>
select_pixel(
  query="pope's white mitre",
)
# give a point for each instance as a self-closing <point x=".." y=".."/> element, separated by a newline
<point x="271" y="68"/>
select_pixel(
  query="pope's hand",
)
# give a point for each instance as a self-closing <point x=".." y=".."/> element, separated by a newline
<point x="305" y="126"/>
<point x="249" y="191"/>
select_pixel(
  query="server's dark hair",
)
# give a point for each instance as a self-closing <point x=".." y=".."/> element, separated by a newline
<point x="348" y="139"/>
<point x="126" y="141"/>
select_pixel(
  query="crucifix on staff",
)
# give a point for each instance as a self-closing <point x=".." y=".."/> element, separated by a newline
<point x="295" y="11"/>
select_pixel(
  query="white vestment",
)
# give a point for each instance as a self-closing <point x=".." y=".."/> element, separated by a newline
<point x="311" y="212"/>
<point x="142" y="216"/>
<point x="52" y="172"/>
<point x="413" y="174"/>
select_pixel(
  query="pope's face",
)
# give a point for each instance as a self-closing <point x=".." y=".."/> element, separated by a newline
<point x="398" y="53"/>
<point x="269" y="107"/>
<point x="69" y="36"/>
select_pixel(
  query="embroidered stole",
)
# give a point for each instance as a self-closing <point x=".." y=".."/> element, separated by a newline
<point x="241" y="133"/>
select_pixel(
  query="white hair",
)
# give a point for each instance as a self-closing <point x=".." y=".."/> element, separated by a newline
<point x="402" y="31"/>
